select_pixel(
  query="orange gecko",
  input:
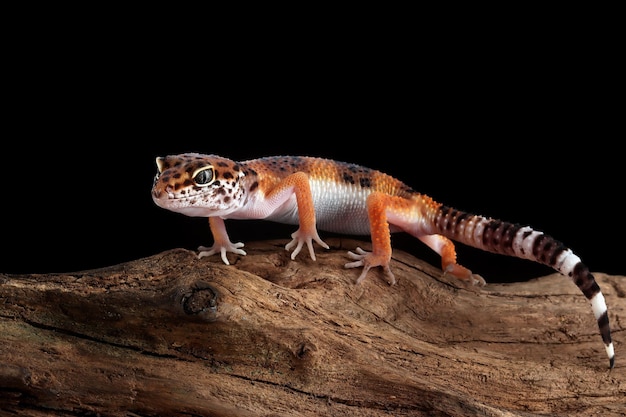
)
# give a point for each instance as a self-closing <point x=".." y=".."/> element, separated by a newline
<point x="316" y="193"/>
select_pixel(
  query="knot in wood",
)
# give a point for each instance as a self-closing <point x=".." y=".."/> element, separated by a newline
<point x="200" y="299"/>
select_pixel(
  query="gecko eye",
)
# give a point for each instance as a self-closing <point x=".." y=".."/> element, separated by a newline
<point x="204" y="176"/>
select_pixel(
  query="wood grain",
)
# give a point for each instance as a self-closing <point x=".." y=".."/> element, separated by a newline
<point x="268" y="336"/>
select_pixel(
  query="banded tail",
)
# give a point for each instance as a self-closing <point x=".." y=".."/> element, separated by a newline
<point x="523" y="242"/>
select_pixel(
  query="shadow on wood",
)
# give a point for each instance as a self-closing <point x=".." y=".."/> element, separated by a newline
<point x="268" y="336"/>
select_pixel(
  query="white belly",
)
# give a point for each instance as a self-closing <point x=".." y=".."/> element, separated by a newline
<point x="338" y="208"/>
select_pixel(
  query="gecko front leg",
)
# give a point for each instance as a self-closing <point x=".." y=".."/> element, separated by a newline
<point x="298" y="184"/>
<point x="221" y="241"/>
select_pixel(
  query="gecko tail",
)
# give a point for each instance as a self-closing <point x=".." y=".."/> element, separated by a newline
<point x="524" y="242"/>
<point x="588" y="285"/>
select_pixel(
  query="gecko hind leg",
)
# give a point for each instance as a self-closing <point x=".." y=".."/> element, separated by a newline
<point x="445" y="248"/>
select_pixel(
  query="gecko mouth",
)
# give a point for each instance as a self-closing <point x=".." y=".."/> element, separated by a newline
<point x="165" y="198"/>
<point x="168" y="195"/>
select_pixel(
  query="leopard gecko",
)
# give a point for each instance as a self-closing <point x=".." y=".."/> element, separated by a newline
<point x="317" y="193"/>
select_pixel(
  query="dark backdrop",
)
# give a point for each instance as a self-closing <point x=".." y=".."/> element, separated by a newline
<point x="83" y="200"/>
<point x="527" y="138"/>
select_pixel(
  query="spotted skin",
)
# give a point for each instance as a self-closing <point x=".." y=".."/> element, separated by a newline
<point x="323" y="194"/>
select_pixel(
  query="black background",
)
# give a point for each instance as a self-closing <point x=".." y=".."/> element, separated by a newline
<point x="519" y="133"/>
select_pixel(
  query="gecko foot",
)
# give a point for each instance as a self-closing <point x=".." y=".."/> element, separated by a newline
<point x="300" y="238"/>
<point x="368" y="260"/>
<point x="222" y="249"/>
<point x="464" y="274"/>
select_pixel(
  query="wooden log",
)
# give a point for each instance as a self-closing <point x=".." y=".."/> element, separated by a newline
<point x="267" y="336"/>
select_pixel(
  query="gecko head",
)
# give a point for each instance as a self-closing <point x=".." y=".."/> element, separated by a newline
<point x="197" y="185"/>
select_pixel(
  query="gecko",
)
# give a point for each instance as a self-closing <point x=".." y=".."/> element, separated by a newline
<point x="333" y="196"/>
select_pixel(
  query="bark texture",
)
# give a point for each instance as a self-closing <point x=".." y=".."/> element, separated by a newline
<point x="268" y="336"/>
